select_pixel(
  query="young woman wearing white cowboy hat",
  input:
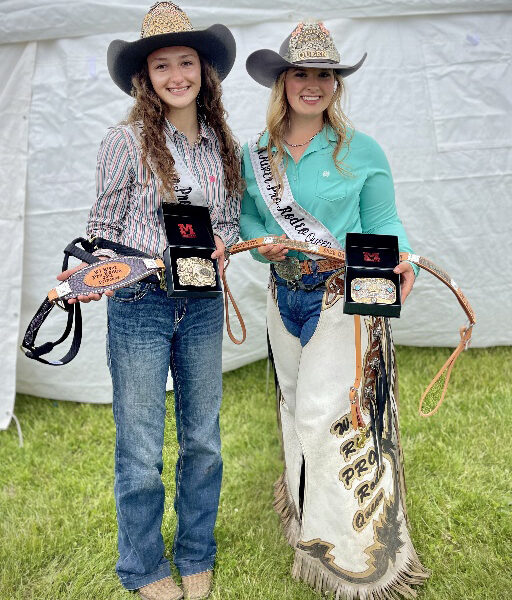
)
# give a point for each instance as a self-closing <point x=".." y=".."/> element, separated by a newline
<point x="311" y="177"/>
<point x="176" y="129"/>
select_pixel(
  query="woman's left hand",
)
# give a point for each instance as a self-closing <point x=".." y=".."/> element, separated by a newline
<point x="219" y="253"/>
<point x="407" y="278"/>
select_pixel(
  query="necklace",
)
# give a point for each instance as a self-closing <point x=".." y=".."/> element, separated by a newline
<point x="304" y="143"/>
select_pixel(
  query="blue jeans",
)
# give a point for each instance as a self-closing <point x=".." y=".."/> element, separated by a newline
<point x="147" y="334"/>
<point x="300" y="309"/>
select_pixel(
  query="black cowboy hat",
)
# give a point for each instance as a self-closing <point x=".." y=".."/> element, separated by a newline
<point x="165" y="25"/>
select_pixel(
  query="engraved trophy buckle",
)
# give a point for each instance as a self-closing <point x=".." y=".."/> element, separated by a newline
<point x="288" y="269"/>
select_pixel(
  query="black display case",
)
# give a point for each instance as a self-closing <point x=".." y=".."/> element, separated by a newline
<point x="371" y="286"/>
<point x="189" y="269"/>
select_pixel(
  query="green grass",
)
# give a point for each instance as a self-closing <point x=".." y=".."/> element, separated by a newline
<point x="57" y="518"/>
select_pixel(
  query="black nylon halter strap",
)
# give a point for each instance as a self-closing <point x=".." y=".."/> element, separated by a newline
<point x="36" y="352"/>
<point x="74" y="314"/>
<point x="73" y="310"/>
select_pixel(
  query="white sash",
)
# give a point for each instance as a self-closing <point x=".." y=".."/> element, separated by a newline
<point x="187" y="189"/>
<point x="294" y="220"/>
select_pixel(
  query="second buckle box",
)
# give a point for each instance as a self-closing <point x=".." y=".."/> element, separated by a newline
<point x="371" y="286"/>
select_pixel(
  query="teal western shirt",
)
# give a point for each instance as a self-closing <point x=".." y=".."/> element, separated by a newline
<point x="362" y="201"/>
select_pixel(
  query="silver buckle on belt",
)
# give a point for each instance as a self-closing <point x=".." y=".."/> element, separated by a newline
<point x="288" y="269"/>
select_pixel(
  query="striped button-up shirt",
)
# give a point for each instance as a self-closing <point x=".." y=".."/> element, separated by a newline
<point x="126" y="208"/>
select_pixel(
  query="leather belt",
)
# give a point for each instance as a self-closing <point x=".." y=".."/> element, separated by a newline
<point x="328" y="264"/>
<point x="298" y="284"/>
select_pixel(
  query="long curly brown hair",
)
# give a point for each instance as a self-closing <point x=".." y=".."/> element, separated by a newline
<point x="278" y="122"/>
<point x="149" y="110"/>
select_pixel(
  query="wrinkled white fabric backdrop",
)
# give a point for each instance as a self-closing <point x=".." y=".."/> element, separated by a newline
<point x="435" y="92"/>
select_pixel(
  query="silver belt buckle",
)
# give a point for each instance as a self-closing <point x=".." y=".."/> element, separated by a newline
<point x="288" y="269"/>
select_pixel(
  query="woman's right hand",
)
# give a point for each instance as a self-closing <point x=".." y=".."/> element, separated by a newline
<point x="82" y="298"/>
<point x="273" y="252"/>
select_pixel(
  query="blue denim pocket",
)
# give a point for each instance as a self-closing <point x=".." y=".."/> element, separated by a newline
<point x="300" y="309"/>
<point x="131" y="293"/>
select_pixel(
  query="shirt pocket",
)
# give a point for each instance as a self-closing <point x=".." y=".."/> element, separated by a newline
<point x="329" y="186"/>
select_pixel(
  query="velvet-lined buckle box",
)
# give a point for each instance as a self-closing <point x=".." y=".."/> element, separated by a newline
<point x="189" y="270"/>
<point x="371" y="286"/>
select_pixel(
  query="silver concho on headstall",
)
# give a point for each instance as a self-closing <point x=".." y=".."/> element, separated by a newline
<point x="195" y="271"/>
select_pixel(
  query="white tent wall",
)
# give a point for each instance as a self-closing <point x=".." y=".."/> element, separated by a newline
<point x="16" y="68"/>
<point x="434" y="91"/>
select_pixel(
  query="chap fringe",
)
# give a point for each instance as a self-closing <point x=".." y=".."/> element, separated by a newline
<point x="310" y="570"/>
<point x="285" y="508"/>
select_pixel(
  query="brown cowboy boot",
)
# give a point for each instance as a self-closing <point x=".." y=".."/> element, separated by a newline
<point x="198" y="586"/>
<point x="164" y="589"/>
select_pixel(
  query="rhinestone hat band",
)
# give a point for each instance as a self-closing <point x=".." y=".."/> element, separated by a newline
<point x="165" y="17"/>
<point x="311" y="40"/>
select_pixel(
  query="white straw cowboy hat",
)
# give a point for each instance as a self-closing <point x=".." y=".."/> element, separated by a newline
<point x="309" y="45"/>
<point x="164" y="25"/>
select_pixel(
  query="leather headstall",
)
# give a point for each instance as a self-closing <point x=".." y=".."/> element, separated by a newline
<point x="422" y="262"/>
<point x="124" y="267"/>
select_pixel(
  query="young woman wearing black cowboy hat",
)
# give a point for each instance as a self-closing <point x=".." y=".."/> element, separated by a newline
<point x="311" y="177"/>
<point x="176" y="130"/>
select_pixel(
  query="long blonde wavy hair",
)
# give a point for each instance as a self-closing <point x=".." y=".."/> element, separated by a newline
<point x="149" y="110"/>
<point x="278" y="122"/>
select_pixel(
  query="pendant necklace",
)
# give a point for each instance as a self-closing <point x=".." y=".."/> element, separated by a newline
<point x="304" y="143"/>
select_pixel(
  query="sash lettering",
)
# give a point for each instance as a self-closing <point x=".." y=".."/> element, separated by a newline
<point x="187" y="189"/>
<point x="295" y="221"/>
